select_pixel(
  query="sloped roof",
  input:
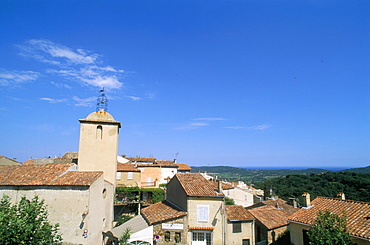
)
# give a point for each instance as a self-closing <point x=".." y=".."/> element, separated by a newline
<point x="357" y="213"/>
<point x="277" y="203"/>
<point x="194" y="184"/>
<point x="161" y="211"/>
<point x="46" y="174"/>
<point x="7" y="161"/>
<point x="164" y="161"/>
<point x="141" y="159"/>
<point x="225" y="186"/>
<point x="238" y="213"/>
<point x="127" y="167"/>
<point x="269" y="216"/>
<point x="183" y="166"/>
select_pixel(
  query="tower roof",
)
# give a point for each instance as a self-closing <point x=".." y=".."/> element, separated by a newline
<point x="100" y="116"/>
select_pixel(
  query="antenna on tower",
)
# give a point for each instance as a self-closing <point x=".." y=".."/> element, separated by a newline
<point x="102" y="102"/>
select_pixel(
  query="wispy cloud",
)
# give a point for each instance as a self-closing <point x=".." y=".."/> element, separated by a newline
<point x="77" y="64"/>
<point x="134" y="97"/>
<point x="209" y="119"/>
<point x="61" y="85"/>
<point x="84" y="102"/>
<point x="258" y="127"/>
<point x="235" y="127"/>
<point x="190" y="126"/>
<point x="17" y="77"/>
<point x="50" y="100"/>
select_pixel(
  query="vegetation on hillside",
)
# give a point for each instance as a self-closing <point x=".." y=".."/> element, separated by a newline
<point x="251" y="176"/>
<point x="356" y="186"/>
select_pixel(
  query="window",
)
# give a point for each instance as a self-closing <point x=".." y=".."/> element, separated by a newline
<point x="203" y="211"/>
<point x="118" y="175"/>
<point x="202" y="237"/>
<point x="129" y="175"/>
<point x="167" y="236"/>
<point x="245" y="198"/>
<point x="142" y="170"/>
<point x="149" y="181"/>
<point x="237" y="227"/>
<point x="99" y="132"/>
<point x="177" y="237"/>
<point x="246" y="242"/>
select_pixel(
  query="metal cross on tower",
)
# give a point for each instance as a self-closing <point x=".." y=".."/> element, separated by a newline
<point x="102" y="102"/>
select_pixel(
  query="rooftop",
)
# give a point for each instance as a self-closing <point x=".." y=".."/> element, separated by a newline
<point x="269" y="216"/>
<point x="194" y="184"/>
<point x="127" y="167"/>
<point x="161" y="211"/>
<point x="238" y="213"/>
<point x="54" y="174"/>
<point x="357" y="213"/>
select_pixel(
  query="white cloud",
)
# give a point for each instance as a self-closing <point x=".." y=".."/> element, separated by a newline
<point x="17" y="77"/>
<point x="199" y="124"/>
<point x="79" y="64"/>
<point x="209" y="119"/>
<point x="49" y="52"/>
<point x="61" y="85"/>
<point x="235" y="127"/>
<point x="260" y="127"/>
<point x="134" y="98"/>
<point x="84" y="102"/>
<point x="50" y="100"/>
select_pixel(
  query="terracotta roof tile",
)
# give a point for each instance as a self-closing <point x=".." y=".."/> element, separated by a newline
<point x="161" y="211"/>
<point x="357" y="213"/>
<point x="165" y="162"/>
<point x="201" y="228"/>
<point x="141" y="159"/>
<point x="127" y="167"/>
<point x="269" y="216"/>
<point x="237" y="213"/>
<point x="194" y="184"/>
<point x="183" y="166"/>
<point x="225" y="186"/>
<point x="279" y="204"/>
<point x="45" y="174"/>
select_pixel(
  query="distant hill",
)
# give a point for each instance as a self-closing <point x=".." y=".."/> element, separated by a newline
<point x="251" y="176"/>
<point x="359" y="170"/>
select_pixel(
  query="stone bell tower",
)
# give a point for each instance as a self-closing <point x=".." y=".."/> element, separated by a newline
<point x="98" y="146"/>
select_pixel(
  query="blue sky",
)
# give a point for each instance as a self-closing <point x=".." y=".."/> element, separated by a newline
<point x="239" y="83"/>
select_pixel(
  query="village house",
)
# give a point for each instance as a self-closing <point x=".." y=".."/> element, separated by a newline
<point x="357" y="215"/>
<point x="194" y="213"/>
<point x="81" y="202"/>
<point x="271" y="219"/>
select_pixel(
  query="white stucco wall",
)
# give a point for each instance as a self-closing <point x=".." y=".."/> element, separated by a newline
<point x="240" y="196"/>
<point x="216" y="216"/>
<point x="246" y="233"/>
<point x="66" y="206"/>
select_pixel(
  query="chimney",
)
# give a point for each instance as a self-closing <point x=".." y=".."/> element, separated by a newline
<point x="219" y="190"/>
<point x="293" y="202"/>
<point x="342" y="196"/>
<point x="306" y="199"/>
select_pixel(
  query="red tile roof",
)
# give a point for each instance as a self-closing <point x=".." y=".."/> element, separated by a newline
<point x="183" y="167"/>
<point x="357" y="213"/>
<point x="201" y="228"/>
<point x="238" y="213"/>
<point x="161" y="211"/>
<point x="279" y="204"/>
<point x="141" y="159"/>
<point x="127" y="167"/>
<point x="225" y="186"/>
<point x="269" y="216"/>
<point x="45" y="174"/>
<point x="194" y="184"/>
<point x="164" y="162"/>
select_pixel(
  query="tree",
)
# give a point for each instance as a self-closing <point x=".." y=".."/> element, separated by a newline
<point x="125" y="236"/>
<point x="329" y="229"/>
<point x="26" y="222"/>
<point x="229" y="201"/>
